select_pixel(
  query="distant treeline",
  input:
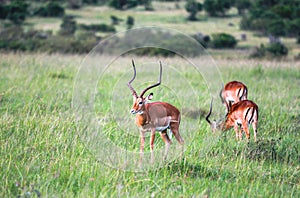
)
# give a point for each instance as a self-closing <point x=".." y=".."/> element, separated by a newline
<point x="274" y="18"/>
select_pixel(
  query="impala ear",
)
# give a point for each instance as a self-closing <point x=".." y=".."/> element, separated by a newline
<point x="149" y="97"/>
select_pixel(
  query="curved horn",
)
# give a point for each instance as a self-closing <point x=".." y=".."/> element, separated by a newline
<point x="129" y="82"/>
<point x="207" y="117"/>
<point x="159" y="81"/>
<point x="222" y="87"/>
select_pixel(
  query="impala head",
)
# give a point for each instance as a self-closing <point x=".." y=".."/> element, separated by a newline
<point x="139" y="102"/>
<point x="215" y="125"/>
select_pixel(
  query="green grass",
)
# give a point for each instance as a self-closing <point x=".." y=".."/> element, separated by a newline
<point x="42" y="151"/>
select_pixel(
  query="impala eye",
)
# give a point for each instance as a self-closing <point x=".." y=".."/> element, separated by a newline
<point x="140" y="103"/>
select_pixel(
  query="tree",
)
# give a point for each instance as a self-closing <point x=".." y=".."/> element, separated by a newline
<point x="51" y="9"/>
<point x="123" y="4"/>
<point x="75" y="4"/>
<point x="273" y="17"/>
<point x="242" y="5"/>
<point x="217" y="7"/>
<point x="192" y="6"/>
<point x="17" y="11"/>
<point x="130" y="22"/>
<point x="148" y="5"/>
<point x="68" y="26"/>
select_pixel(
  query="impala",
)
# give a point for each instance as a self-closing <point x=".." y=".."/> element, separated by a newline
<point x="240" y="116"/>
<point x="155" y="116"/>
<point x="232" y="93"/>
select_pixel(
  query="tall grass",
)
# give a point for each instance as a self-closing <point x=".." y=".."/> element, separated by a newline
<point x="42" y="153"/>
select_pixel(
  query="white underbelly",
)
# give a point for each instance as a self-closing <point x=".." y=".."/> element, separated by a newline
<point x="162" y="128"/>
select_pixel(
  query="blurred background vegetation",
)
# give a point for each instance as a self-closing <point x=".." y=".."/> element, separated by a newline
<point x="260" y="28"/>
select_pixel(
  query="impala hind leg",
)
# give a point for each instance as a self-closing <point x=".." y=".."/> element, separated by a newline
<point x="254" y="126"/>
<point x="246" y="129"/>
<point x="167" y="141"/>
<point x="237" y="132"/>
<point x="174" y="127"/>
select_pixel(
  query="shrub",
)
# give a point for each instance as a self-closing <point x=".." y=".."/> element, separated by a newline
<point x="68" y="26"/>
<point x="17" y="11"/>
<point x="3" y="11"/>
<point x="202" y="39"/>
<point x="98" y="27"/>
<point x="115" y="20"/>
<point x="223" y="40"/>
<point x="277" y="49"/>
<point x="258" y="52"/>
<point x="123" y="4"/>
<point x="130" y="22"/>
<point x="51" y="9"/>
<point x="217" y="7"/>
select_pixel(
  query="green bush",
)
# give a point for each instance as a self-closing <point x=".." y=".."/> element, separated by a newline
<point x="217" y="7"/>
<point x="223" y="40"/>
<point x="51" y="9"/>
<point x="278" y="18"/>
<point x="277" y="49"/>
<point x="16" y="11"/>
<point x="98" y="27"/>
<point x="68" y="26"/>
<point x="4" y="10"/>
<point x="258" y="52"/>
<point x="123" y="4"/>
<point x="202" y="39"/>
<point x="130" y="22"/>
<point x="293" y="28"/>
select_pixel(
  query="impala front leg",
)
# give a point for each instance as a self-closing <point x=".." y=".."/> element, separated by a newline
<point x="152" y="138"/>
<point x="142" y="136"/>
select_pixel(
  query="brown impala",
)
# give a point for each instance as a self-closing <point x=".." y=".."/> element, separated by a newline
<point x="240" y="116"/>
<point x="155" y="116"/>
<point x="233" y="92"/>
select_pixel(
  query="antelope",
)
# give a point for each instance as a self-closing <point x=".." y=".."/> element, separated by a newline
<point x="232" y="93"/>
<point x="240" y="116"/>
<point x="154" y="116"/>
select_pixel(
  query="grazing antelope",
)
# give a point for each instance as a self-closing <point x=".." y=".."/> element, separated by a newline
<point x="155" y="116"/>
<point x="233" y="92"/>
<point x="240" y="116"/>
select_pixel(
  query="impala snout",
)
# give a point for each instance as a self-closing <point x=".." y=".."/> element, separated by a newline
<point x="132" y="111"/>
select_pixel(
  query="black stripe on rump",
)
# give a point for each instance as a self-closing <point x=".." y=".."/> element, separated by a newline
<point x="247" y="114"/>
<point x="238" y="95"/>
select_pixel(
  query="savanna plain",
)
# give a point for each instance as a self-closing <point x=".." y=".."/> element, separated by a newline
<point x="43" y="147"/>
<point x="42" y="152"/>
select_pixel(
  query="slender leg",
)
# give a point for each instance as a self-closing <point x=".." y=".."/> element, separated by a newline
<point x="174" y="127"/>
<point x="254" y="126"/>
<point x="167" y="141"/>
<point x="236" y="129"/>
<point x="142" y="136"/>
<point x="241" y="132"/>
<point x="152" y="138"/>
<point x="246" y="129"/>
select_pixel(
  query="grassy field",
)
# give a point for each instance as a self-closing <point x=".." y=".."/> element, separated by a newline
<point x="43" y="152"/>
